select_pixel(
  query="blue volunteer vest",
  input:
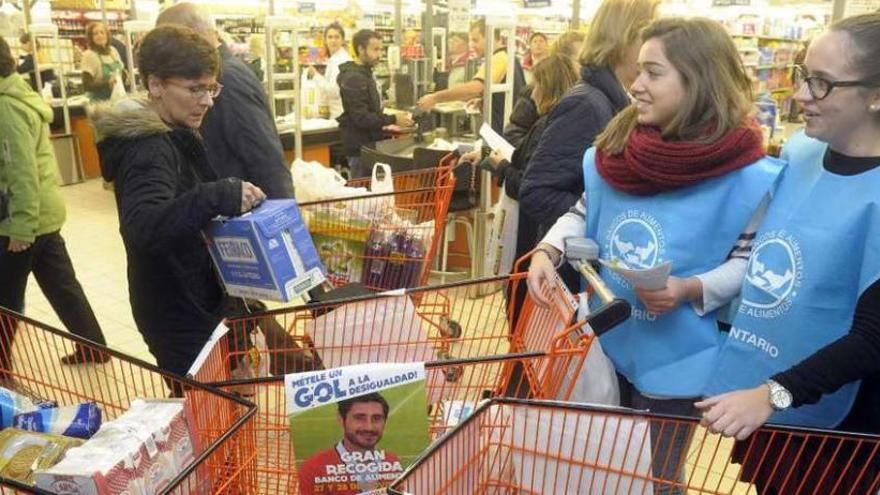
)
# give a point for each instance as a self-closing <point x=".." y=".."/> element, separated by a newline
<point x="695" y="227"/>
<point x="815" y="253"/>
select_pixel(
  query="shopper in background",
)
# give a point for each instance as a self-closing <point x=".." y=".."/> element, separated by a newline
<point x="30" y="48"/>
<point x="674" y="177"/>
<point x="240" y="134"/>
<point x="554" y="76"/>
<point x="474" y="88"/>
<point x="256" y="54"/>
<point x="553" y="181"/>
<point x="101" y="65"/>
<point x="31" y="215"/>
<point x="166" y="193"/>
<point x="363" y="122"/>
<point x="458" y="59"/>
<point x="817" y="309"/>
<point x="337" y="53"/>
<point x="569" y="43"/>
<point x="119" y="45"/>
<point x="539" y="48"/>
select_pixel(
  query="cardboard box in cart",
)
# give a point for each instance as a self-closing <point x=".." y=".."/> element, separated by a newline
<point x="266" y="254"/>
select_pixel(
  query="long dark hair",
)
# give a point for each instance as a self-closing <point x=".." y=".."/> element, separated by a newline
<point x="90" y="29"/>
<point x="864" y="53"/>
<point x="7" y="63"/>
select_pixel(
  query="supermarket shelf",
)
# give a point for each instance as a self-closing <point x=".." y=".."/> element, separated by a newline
<point x="768" y="38"/>
<point x="769" y="66"/>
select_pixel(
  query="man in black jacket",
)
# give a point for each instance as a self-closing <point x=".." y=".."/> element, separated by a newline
<point x="362" y="121"/>
<point x="239" y="132"/>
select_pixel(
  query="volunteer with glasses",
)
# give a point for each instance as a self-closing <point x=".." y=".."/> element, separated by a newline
<point x="166" y="193"/>
<point x="804" y="348"/>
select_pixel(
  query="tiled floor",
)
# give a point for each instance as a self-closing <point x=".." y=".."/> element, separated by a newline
<point x="95" y="246"/>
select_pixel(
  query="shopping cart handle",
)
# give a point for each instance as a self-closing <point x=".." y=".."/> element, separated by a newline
<point x="609" y="315"/>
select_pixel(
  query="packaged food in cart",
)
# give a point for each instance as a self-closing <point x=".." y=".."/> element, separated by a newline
<point x="265" y="254"/>
<point x="213" y="454"/>
<point x="13" y="403"/>
<point x="144" y="449"/>
<point x="78" y="421"/>
<point x="21" y="452"/>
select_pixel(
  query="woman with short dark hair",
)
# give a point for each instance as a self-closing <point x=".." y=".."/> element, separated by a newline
<point x="166" y="193"/>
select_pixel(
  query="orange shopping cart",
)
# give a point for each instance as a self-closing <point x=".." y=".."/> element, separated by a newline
<point x="407" y="326"/>
<point x="524" y="446"/>
<point x="384" y="239"/>
<point x="220" y="424"/>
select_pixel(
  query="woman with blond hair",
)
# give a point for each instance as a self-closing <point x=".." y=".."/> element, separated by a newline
<point x="553" y="77"/>
<point x="674" y="178"/>
<point x="569" y="43"/>
<point x="553" y="182"/>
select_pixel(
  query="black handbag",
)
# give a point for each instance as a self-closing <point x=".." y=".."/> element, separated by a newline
<point x="466" y="194"/>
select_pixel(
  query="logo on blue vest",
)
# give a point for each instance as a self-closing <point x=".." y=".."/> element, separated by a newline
<point x="635" y="238"/>
<point x="773" y="276"/>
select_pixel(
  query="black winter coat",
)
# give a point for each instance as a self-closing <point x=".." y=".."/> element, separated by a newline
<point x="554" y="179"/>
<point x="522" y="118"/>
<point x="240" y="135"/>
<point x="362" y="119"/>
<point x="166" y="193"/>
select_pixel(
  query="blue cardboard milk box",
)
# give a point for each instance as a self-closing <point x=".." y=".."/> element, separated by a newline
<point x="266" y="254"/>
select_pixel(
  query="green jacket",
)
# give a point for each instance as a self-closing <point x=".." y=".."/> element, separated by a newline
<point x="28" y="171"/>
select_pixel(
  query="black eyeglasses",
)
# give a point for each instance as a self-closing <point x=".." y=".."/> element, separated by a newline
<point x="199" y="92"/>
<point x="820" y="87"/>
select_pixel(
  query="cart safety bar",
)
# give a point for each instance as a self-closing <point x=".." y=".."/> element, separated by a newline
<point x="442" y="363"/>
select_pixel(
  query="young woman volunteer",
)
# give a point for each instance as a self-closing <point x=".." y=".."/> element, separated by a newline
<point x="805" y="344"/>
<point x="674" y="177"/>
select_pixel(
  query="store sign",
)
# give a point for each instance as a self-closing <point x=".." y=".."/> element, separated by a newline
<point x="306" y="7"/>
<point x="532" y="4"/>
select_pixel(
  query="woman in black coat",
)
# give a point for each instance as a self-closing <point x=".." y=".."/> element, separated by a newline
<point x="166" y="193"/>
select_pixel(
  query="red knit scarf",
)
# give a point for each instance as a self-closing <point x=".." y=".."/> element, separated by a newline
<point x="650" y="165"/>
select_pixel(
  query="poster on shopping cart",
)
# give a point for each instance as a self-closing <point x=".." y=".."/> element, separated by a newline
<point x="356" y="428"/>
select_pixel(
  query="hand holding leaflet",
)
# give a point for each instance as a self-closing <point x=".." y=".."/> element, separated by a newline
<point x="496" y="142"/>
<point x="653" y="278"/>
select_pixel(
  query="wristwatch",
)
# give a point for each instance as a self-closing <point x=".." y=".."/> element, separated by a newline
<point x="780" y="397"/>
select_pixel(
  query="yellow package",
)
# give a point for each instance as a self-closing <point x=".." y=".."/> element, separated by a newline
<point x="22" y="452"/>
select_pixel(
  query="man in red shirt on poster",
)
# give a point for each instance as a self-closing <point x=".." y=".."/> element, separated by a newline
<point x="353" y="465"/>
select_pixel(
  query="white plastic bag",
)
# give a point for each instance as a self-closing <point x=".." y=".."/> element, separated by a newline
<point x="313" y="181"/>
<point x="501" y="241"/>
<point x="597" y="381"/>
<point x="614" y="451"/>
<point x="118" y="88"/>
<point x="385" y="184"/>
